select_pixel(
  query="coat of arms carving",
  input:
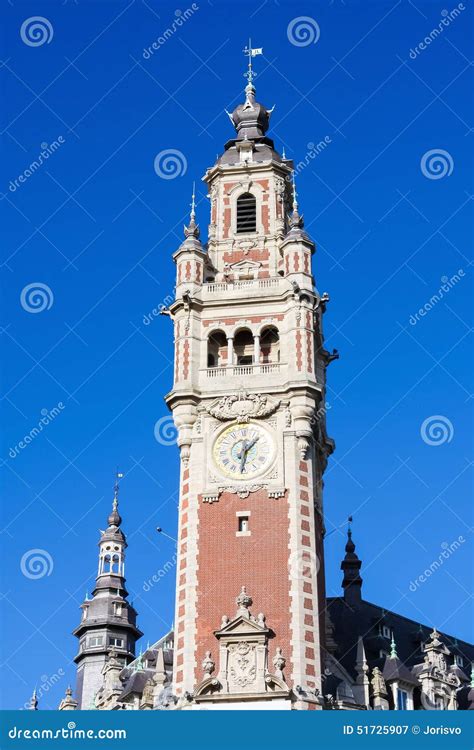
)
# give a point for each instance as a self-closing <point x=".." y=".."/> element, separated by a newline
<point x="243" y="406"/>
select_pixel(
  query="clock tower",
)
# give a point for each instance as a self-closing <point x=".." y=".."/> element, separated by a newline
<point x="248" y="401"/>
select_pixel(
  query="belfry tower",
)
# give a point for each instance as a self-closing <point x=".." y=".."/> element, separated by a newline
<point x="248" y="401"/>
<point x="108" y="620"/>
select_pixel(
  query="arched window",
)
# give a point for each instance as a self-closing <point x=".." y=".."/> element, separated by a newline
<point x="115" y="567"/>
<point x="246" y="213"/>
<point x="269" y="346"/>
<point x="217" y="349"/>
<point x="244" y="347"/>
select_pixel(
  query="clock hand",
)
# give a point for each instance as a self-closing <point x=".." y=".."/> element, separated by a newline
<point x="243" y="455"/>
<point x="242" y="449"/>
<point x="252" y="443"/>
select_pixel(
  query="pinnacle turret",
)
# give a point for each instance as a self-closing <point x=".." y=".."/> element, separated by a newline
<point x="352" y="581"/>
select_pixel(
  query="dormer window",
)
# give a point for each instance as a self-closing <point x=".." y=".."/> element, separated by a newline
<point x="246" y="213"/>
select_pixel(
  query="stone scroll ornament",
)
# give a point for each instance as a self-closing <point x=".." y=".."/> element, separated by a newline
<point x="243" y="406"/>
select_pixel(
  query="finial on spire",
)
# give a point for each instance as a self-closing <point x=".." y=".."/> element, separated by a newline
<point x="114" y="518"/>
<point x="393" y="648"/>
<point x="295" y="201"/>
<point x="192" y="229"/>
<point x="296" y="220"/>
<point x="118" y="475"/>
<point x="251" y="52"/>
<point x="193" y="202"/>
<point x="34" y="701"/>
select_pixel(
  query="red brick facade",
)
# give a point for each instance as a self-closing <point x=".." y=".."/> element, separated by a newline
<point x="227" y="562"/>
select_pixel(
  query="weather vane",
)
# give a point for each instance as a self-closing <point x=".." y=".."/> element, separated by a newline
<point x="251" y="52"/>
<point x="118" y="475"/>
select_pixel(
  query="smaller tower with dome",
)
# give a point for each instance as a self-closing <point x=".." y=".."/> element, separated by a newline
<point x="108" y="619"/>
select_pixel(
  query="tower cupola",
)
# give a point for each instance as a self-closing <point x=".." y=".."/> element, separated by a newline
<point x="108" y="619"/>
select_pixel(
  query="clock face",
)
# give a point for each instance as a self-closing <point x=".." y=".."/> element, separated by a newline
<point x="244" y="450"/>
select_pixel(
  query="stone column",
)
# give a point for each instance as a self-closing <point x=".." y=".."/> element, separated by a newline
<point x="256" y="349"/>
<point x="230" y="351"/>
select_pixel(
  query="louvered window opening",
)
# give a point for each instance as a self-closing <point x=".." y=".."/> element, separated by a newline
<point x="246" y="214"/>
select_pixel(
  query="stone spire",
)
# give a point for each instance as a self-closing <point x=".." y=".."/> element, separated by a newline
<point x="393" y="648"/>
<point x="192" y="229"/>
<point x="362" y="687"/>
<point x="296" y="220"/>
<point x="108" y="619"/>
<point x="34" y="701"/>
<point x="351" y="582"/>
<point x="68" y="703"/>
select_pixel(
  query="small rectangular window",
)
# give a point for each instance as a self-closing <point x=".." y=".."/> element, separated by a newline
<point x="458" y="660"/>
<point x="95" y="640"/>
<point x="386" y="632"/>
<point x="243" y="523"/>
<point x="116" y="642"/>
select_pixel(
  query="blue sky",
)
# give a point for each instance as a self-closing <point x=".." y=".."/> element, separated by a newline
<point x="97" y="225"/>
